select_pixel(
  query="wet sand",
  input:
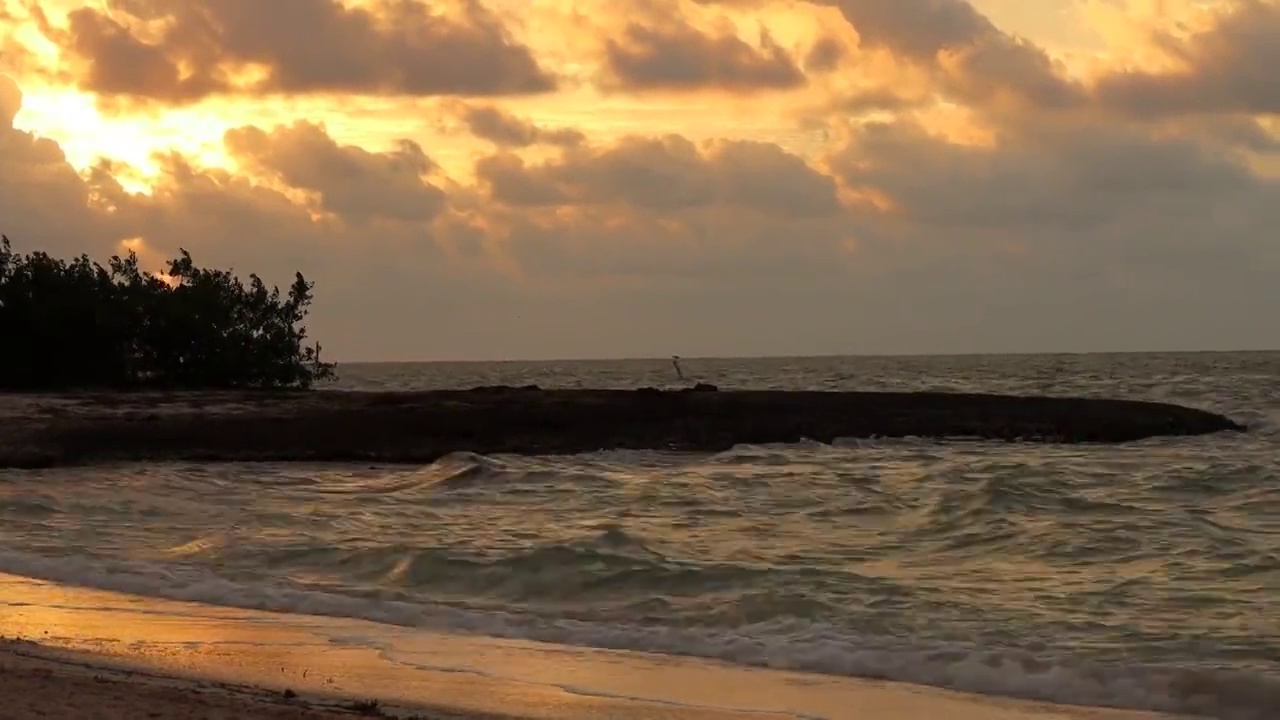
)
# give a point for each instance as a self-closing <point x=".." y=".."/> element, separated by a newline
<point x="36" y="682"/>
<point x="87" y="653"/>
<point x="420" y="427"/>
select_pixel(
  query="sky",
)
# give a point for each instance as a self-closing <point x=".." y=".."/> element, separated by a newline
<point x="526" y="179"/>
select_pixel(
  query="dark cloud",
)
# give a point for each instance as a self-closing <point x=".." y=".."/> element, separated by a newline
<point x="874" y="99"/>
<point x="999" y="66"/>
<point x="974" y="60"/>
<point x="1140" y="240"/>
<point x="1044" y="181"/>
<point x="707" y="246"/>
<point x="825" y="55"/>
<point x="10" y="102"/>
<point x="1229" y="67"/>
<point x="351" y="182"/>
<point x="918" y="29"/>
<point x="390" y="47"/>
<point x="971" y="58"/>
<point x="674" y="55"/>
<point x="506" y="130"/>
<point x="665" y="175"/>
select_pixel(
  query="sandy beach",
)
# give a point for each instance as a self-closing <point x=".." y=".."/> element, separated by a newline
<point x="80" y="653"/>
<point x="38" y="682"/>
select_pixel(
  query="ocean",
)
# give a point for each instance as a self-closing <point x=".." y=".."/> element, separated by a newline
<point x="1143" y="576"/>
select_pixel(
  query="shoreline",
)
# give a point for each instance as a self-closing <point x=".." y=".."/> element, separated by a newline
<point x="145" y="657"/>
<point x="38" y="681"/>
<point x="59" y="429"/>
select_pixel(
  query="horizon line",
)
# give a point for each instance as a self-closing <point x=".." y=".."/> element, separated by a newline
<point x="816" y="356"/>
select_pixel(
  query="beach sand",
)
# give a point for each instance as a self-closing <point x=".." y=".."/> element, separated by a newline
<point x="79" y="653"/>
<point x="36" y="683"/>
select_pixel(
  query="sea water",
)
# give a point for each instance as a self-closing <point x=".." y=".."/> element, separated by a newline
<point x="1142" y="576"/>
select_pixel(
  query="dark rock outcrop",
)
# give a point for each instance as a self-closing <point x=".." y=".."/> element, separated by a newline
<point x="422" y="426"/>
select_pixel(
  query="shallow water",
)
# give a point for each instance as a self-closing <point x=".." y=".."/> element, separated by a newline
<point x="1144" y="575"/>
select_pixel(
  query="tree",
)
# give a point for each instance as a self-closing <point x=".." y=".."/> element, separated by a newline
<point x="79" y="324"/>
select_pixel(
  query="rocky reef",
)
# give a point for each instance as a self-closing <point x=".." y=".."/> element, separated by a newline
<point x="418" y="427"/>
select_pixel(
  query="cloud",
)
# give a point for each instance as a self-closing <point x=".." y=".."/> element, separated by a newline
<point x="1040" y="182"/>
<point x="10" y="101"/>
<point x="1053" y="223"/>
<point x="40" y="193"/>
<point x="302" y="202"/>
<point x="973" y="59"/>
<point x="655" y="214"/>
<point x="825" y="55"/>
<point x="917" y="29"/>
<point x="351" y="182"/>
<point x="675" y="55"/>
<point x="15" y="56"/>
<point x="506" y="130"/>
<point x="1226" y="66"/>
<point x="179" y="51"/>
<point x="1103" y="232"/>
<point x="666" y="174"/>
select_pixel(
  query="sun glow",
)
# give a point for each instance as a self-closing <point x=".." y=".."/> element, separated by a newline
<point x="87" y="134"/>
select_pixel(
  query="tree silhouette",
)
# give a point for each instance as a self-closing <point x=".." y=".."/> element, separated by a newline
<point x="78" y="324"/>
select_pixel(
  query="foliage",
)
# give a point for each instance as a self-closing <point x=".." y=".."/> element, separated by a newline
<point x="78" y="324"/>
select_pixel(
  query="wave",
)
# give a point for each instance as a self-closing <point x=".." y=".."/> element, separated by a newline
<point x="791" y="644"/>
<point x="610" y="565"/>
<point x="454" y="473"/>
<point x="463" y="471"/>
